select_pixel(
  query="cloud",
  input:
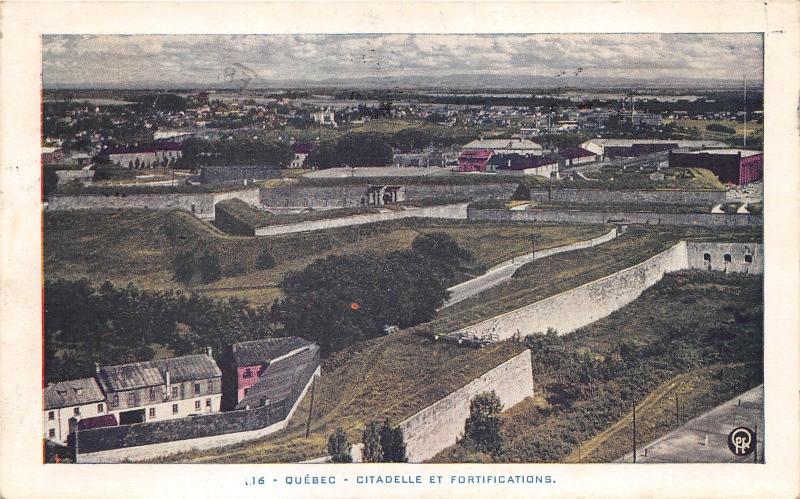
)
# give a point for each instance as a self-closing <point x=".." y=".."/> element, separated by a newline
<point x="203" y="59"/>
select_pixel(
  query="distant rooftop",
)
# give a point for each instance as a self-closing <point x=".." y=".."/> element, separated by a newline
<point x="744" y="152"/>
<point x="504" y="144"/>
<point x="681" y="143"/>
<point x="280" y="378"/>
<point x="153" y="372"/>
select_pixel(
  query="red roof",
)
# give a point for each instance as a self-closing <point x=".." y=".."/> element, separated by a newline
<point x="97" y="422"/>
<point x="476" y="154"/>
<point x="301" y="148"/>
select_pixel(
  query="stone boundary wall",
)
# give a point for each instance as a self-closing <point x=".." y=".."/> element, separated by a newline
<point x="629" y="196"/>
<point x="439" y="425"/>
<point x="717" y="251"/>
<point x="352" y="195"/>
<point x="452" y="211"/>
<point x="122" y="443"/>
<point x="200" y="205"/>
<point x="597" y="217"/>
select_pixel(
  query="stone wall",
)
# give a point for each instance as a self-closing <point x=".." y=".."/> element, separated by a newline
<point x="599" y="217"/>
<point x="66" y="176"/>
<point x="453" y="211"/>
<point x="629" y="196"/>
<point x="161" y="438"/>
<point x="439" y="425"/>
<point x="739" y="254"/>
<point x="237" y="173"/>
<point x="201" y="204"/>
<point x="570" y="310"/>
<point x="356" y="195"/>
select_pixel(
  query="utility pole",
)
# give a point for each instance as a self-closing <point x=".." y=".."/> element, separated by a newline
<point x="311" y="408"/>
<point x="634" y="433"/>
<point x="744" y="138"/>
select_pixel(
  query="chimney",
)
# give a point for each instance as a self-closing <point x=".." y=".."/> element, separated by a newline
<point x="97" y="368"/>
<point x="209" y="352"/>
<point x="167" y="378"/>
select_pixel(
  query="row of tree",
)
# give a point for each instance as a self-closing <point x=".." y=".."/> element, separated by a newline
<point x="234" y="151"/>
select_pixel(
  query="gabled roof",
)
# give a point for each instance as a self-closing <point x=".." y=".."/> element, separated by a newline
<point x="575" y="152"/>
<point x="520" y="162"/>
<point x="153" y="373"/>
<point x="257" y="352"/>
<point x="154" y="147"/>
<point x="72" y="393"/>
<point x="503" y="144"/>
<point x="282" y="377"/>
<point x="478" y="154"/>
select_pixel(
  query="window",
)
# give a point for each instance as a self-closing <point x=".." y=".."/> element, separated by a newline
<point x="152" y="412"/>
<point x="133" y="399"/>
<point x="51" y="415"/>
<point x="77" y="411"/>
<point x="208" y="402"/>
<point x="197" y="388"/>
<point x="210" y="386"/>
<point x="99" y="408"/>
<point x="152" y="393"/>
<point x="174" y="408"/>
<point x="247" y="373"/>
<point x="114" y="400"/>
<point x="196" y="405"/>
<point x="707" y="257"/>
<point x="748" y="258"/>
<point x="52" y="433"/>
<point x="245" y="391"/>
<point x="174" y="392"/>
<point x="727" y="258"/>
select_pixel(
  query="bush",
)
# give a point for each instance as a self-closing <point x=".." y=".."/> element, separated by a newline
<point x="339" y="447"/>
<point x="714" y="127"/>
<point x="234" y="269"/>
<point x="392" y="444"/>
<point x="440" y="246"/>
<point x="183" y="266"/>
<point x="482" y="428"/>
<point x="523" y="193"/>
<point x="265" y="260"/>
<point x="372" y="451"/>
<point x="209" y="267"/>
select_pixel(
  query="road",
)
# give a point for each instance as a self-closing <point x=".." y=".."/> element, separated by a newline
<point x="704" y="439"/>
<point x="498" y="274"/>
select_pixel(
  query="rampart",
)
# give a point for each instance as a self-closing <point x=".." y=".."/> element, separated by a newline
<point x="600" y="217"/>
<point x="439" y="425"/>
<point x="200" y="204"/>
<point x="699" y="197"/>
<point x="453" y="211"/>
<point x="573" y="309"/>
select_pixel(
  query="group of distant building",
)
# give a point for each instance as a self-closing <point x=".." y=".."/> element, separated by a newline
<point x="520" y="155"/>
<point x="256" y="373"/>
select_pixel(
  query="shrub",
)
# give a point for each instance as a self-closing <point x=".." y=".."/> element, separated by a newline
<point x="372" y="452"/>
<point x="392" y="444"/>
<point x="339" y="447"/>
<point x="183" y="266"/>
<point x="523" y="193"/>
<point x="482" y="428"/>
<point x="209" y="267"/>
<point x="265" y="259"/>
<point x="235" y="269"/>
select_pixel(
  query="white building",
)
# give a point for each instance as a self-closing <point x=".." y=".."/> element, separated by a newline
<point x="507" y="146"/>
<point x="67" y="402"/>
<point x="325" y="118"/>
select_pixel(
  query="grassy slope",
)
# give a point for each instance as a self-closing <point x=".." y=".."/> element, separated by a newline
<point x="753" y="129"/>
<point x="138" y="245"/>
<point x="393" y="376"/>
<point x="703" y="299"/>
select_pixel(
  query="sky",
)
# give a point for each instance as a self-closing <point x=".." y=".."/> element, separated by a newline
<point x="181" y="60"/>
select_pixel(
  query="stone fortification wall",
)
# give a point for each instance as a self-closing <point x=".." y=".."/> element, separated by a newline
<point x="746" y="258"/>
<point x="454" y="211"/>
<point x="201" y="204"/>
<point x="629" y="196"/>
<point x="570" y="310"/>
<point x="598" y="217"/>
<point x="356" y="195"/>
<point x="439" y="425"/>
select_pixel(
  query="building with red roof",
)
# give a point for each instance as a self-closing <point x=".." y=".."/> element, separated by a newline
<point x="474" y="160"/>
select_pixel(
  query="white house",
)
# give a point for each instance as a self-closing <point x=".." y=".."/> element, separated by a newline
<point x="67" y="402"/>
<point x="524" y="147"/>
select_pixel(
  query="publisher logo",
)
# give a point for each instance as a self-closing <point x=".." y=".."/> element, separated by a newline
<point x="742" y="441"/>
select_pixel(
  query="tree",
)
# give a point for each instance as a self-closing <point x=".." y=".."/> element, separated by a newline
<point x="482" y="428"/>
<point x="523" y="193"/>
<point x="183" y="265"/>
<point x="440" y="246"/>
<point x="210" y="269"/>
<point x="392" y="444"/>
<point x="49" y="181"/>
<point x="339" y="447"/>
<point x="372" y="452"/>
<point x="265" y="259"/>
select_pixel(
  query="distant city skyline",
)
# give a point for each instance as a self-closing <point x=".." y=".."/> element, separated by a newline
<point x="505" y="60"/>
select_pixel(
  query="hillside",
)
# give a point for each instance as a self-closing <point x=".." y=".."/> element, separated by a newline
<point x="138" y="245"/>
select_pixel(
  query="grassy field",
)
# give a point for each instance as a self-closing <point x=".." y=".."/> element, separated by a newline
<point x="598" y="422"/>
<point x="137" y="246"/>
<point x="754" y="130"/>
<point x="557" y="273"/>
<point x="394" y="376"/>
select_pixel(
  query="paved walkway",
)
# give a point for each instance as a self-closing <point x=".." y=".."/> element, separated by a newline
<point x="504" y="270"/>
<point x="704" y="439"/>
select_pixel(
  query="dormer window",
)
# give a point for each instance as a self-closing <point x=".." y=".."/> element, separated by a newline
<point x="248" y="373"/>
